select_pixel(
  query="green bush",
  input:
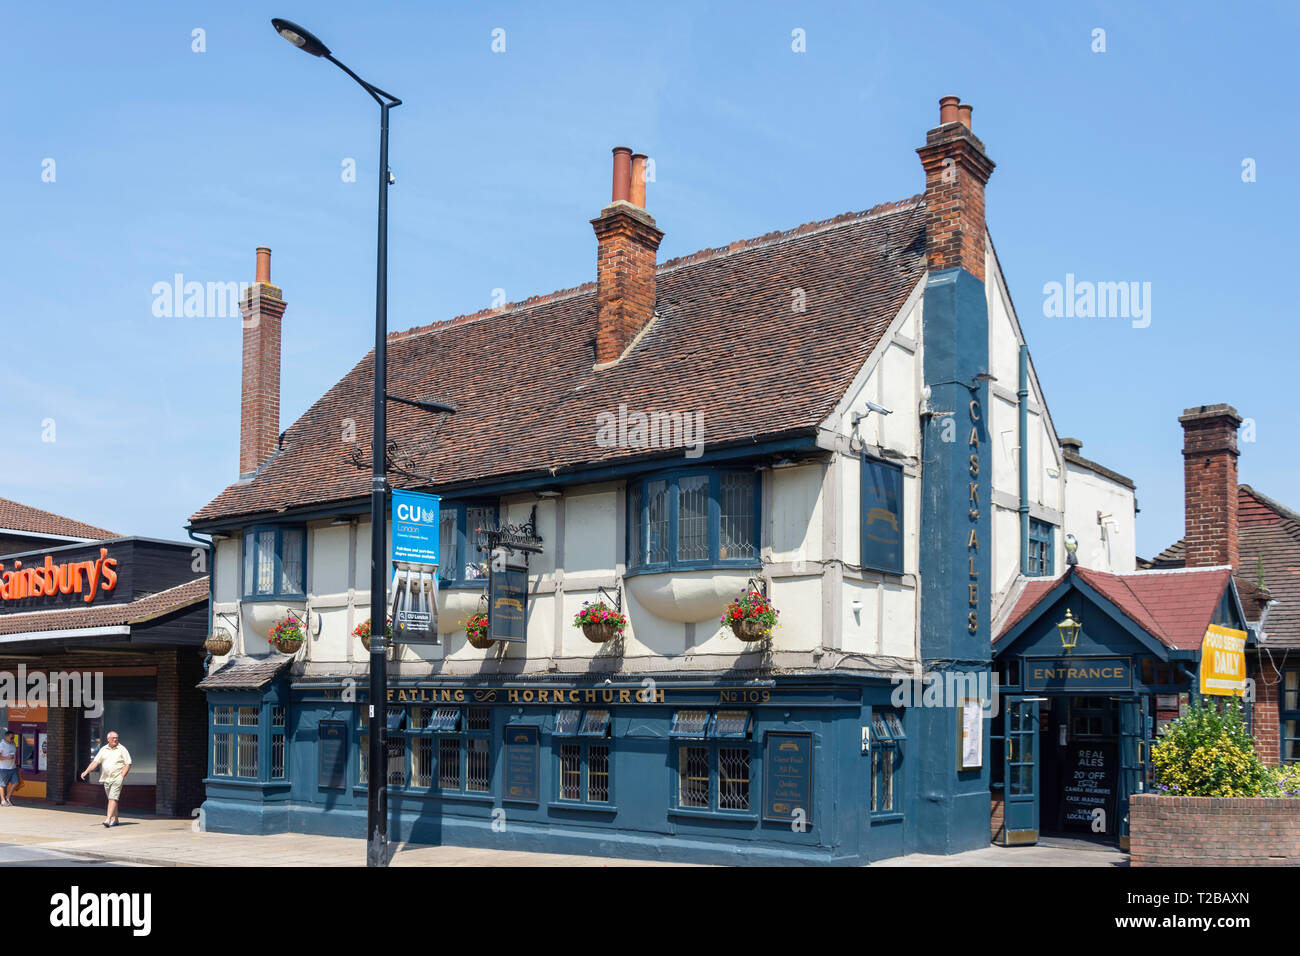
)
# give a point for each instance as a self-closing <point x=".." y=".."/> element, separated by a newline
<point x="1209" y="753"/>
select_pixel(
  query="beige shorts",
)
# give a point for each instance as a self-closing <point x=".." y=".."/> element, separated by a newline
<point x="113" y="788"/>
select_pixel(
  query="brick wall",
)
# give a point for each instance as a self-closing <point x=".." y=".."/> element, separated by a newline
<point x="1213" y="831"/>
<point x="262" y="309"/>
<point x="61" y="739"/>
<point x="956" y="172"/>
<point x="1264" y="716"/>
<point x="182" y="732"/>
<point x="1210" y="485"/>
<point x="628" y="243"/>
<point x="996" y="823"/>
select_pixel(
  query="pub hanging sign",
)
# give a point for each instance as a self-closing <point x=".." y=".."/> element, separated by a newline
<point x="507" y="603"/>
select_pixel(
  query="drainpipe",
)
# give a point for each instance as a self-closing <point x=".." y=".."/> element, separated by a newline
<point x="1022" y="396"/>
<point x="212" y="591"/>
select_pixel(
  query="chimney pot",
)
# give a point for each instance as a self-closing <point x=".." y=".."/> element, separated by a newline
<point x="627" y="243"/>
<point x="638" y="179"/>
<point x="948" y="109"/>
<point x="622" y="174"/>
<point x="264" y="264"/>
<point x="963" y="114"/>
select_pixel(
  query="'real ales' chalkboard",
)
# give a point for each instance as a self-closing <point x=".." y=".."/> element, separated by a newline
<point x="1091" y="781"/>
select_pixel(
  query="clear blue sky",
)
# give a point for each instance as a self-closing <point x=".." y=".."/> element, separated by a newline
<point x="1116" y="166"/>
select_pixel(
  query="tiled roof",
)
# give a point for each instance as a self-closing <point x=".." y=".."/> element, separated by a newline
<point x="19" y="517"/>
<point x="246" y="673"/>
<point x="727" y="343"/>
<point x="1174" y="607"/>
<point x="1268" y="539"/>
<point x="139" y="611"/>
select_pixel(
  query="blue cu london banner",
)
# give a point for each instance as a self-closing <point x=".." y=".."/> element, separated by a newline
<point x="415" y="527"/>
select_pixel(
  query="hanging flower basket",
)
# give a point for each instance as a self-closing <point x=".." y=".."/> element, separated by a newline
<point x="751" y="616"/>
<point x="362" y="631"/>
<point x="218" y="644"/>
<point x="286" y="636"/>
<point x="599" y="622"/>
<point x="476" y="631"/>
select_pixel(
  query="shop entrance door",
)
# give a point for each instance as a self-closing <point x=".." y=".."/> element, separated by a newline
<point x="1021" y="762"/>
<point x="1133" y="737"/>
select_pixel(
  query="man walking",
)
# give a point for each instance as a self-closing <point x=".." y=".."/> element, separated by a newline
<point x="114" y="762"/>
<point x="8" y="768"/>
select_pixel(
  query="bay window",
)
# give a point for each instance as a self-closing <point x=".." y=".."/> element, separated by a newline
<point x="693" y="520"/>
<point x="275" y="562"/>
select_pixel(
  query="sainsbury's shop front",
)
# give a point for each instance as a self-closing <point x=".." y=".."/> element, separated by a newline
<point x="101" y="637"/>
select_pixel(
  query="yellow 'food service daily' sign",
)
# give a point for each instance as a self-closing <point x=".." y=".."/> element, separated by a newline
<point x="1223" y="662"/>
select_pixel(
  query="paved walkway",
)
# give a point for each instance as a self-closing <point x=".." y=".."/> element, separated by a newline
<point x="158" y="841"/>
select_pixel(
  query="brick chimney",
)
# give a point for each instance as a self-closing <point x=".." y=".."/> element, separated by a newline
<point x="627" y="242"/>
<point x="956" y="172"/>
<point x="259" y="418"/>
<point x="1210" y="485"/>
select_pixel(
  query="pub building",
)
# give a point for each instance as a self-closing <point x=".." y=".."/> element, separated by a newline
<point x="842" y="416"/>
<point x="99" y="635"/>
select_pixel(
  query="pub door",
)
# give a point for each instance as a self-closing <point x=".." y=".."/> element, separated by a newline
<point x="1020" y="759"/>
<point x="1133" y="739"/>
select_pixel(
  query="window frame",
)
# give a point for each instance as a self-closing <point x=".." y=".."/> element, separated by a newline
<point x="436" y="730"/>
<point x="265" y="732"/>
<point x="584" y="742"/>
<point x="891" y="742"/>
<point x="672" y="479"/>
<point x="461" y="508"/>
<point x="713" y="742"/>
<point x="1042" y="533"/>
<point x="250" y="536"/>
<point x="1284" y="714"/>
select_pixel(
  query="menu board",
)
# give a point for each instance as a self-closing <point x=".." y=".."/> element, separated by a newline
<point x="521" y="763"/>
<point x="1091" y="779"/>
<point x="332" y="771"/>
<point x="787" y="778"/>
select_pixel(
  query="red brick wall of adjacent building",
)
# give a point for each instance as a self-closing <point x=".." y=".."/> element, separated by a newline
<point x="1213" y="831"/>
<point x="1264" y="712"/>
<point x="182" y="732"/>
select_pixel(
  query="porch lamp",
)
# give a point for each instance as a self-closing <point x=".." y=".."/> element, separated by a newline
<point x="1069" y="630"/>
<point x="377" y="796"/>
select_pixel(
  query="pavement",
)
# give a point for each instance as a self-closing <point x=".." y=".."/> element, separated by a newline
<point x="61" y="836"/>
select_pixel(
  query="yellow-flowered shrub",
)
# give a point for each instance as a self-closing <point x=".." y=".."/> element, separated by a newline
<point x="1209" y="753"/>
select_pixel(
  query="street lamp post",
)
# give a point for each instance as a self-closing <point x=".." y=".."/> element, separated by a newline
<point x="376" y="778"/>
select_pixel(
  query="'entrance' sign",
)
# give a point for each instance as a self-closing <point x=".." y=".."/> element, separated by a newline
<point x="1078" y="673"/>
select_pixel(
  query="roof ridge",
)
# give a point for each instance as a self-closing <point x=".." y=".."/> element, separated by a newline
<point x="672" y="265"/>
<point x="1291" y="517"/>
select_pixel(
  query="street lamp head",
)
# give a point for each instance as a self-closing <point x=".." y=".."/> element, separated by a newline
<point x="300" y="37"/>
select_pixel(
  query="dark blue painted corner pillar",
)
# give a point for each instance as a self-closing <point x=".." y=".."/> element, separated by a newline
<point x="952" y="812"/>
